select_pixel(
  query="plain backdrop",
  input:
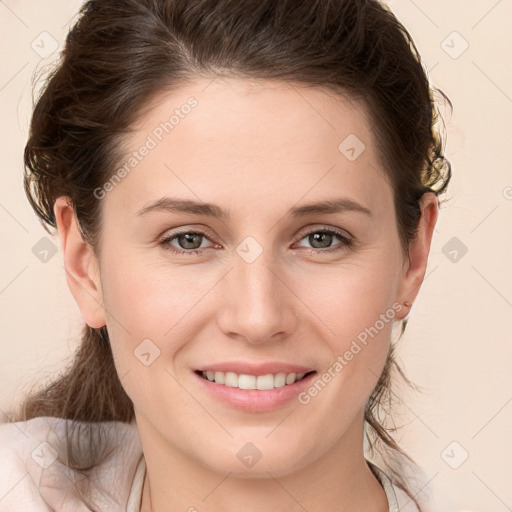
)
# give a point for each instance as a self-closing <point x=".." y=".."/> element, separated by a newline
<point x="457" y="346"/>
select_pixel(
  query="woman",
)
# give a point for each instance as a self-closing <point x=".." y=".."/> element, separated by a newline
<point x="245" y="194"/>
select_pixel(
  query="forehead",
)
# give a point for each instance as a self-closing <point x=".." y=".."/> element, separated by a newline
<point x="253" y="111"/>
<point x="263" y="140"/>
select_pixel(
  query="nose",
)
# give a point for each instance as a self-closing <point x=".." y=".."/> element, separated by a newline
<point x="259" y="305"/>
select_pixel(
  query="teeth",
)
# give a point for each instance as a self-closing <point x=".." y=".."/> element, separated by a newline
<point x="261" y="382"/>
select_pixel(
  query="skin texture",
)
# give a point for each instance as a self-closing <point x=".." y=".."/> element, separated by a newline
<point x="256" y="149"/>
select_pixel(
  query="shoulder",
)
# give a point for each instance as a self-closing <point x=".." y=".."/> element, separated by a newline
<point x="15" y="445"/>
<point x="428" y="496"/>
<point x="34" y="475"/>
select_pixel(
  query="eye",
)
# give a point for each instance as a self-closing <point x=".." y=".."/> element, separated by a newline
<point x="189" y="242"/>
<point x="321" y="239"/>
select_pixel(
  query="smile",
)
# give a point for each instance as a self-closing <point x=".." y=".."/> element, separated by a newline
<point x="244" y="381"/>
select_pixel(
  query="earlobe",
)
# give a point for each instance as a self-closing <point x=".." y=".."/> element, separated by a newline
<point x="419" y="249"/>
<point x="80" y="263"/>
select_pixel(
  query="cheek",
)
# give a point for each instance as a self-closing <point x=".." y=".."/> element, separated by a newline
<point x="149" y="300"/>
<point x="350" y="297"/>
<point x="355" y="309"/>
<point x="152" y="311"/>
<point x="358" y="310"/>
<point x="144" y="309"/>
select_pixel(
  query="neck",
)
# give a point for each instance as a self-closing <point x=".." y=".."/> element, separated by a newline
<point x="339" y="480"/>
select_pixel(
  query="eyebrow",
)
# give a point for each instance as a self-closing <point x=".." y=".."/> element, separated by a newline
<point x="176" y="205"/>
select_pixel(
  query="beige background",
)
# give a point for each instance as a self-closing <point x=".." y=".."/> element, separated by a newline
<point x="458" y="343"/>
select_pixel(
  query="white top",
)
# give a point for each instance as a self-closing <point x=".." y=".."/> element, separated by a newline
<point x="135" y="498"/>
<point x="34" y="475"/>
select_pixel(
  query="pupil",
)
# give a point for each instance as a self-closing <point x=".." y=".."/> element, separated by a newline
<point x="317" y="236"/>
<point x="189" y="239"/>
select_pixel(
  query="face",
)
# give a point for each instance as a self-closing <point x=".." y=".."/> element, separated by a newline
<point x="268" y="281"/>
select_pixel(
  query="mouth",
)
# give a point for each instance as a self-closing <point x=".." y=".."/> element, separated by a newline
<point x="261" y="393"/>
<point x="265" y="382"/>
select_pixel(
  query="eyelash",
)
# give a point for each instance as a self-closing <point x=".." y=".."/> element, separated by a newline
<point x="346" y="242"/>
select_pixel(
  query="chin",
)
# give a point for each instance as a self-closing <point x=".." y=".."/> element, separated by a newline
<point x="265" y="467"/>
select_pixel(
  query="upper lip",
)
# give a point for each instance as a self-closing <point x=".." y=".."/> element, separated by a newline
<point x="256" y="369"/>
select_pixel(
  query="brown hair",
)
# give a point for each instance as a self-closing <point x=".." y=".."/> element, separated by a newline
<point x="121" y="53"/>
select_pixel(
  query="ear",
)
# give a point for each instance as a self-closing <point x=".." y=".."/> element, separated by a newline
<point x="80" y="263"/>
<point x="419" y="248"/>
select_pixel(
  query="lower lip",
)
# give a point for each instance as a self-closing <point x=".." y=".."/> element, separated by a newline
<point x="255" y="400"/>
